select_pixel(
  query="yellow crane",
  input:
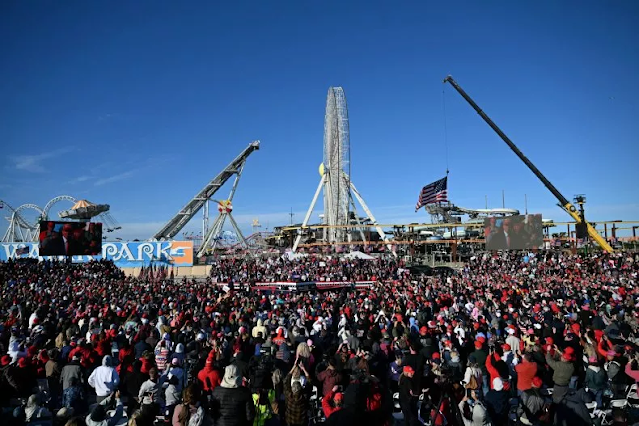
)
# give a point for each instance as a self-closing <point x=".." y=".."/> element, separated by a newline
<point x="563" y="201"/>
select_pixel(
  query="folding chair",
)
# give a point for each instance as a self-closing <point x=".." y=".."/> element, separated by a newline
<point x="631" y="397"/>
<point x="618" y="403"/>
<point x="398" y="416"/>
<point x="397" y="408"/>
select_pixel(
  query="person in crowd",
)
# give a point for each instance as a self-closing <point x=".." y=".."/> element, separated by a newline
<point x="571" y="410"/>
<point x="99" y="416"/>
<point x="596" y="380"/>
<point x="73" y="396"/>
<point x="150" y="391"/>
<point x="296" y="402"/>
<point x="330" y="377"/>
<point x="332" y="401"/>
<point x="473" y="411"/>
<point x="209" y="376"/>
<point x="526" y="370"/>
<point x="407" y="398"/>
<point x="171" y="395"/>
<point x="497" y="402"/>
<point x="563" y="370"/>
<point x="533" y="403"/>
<point x="34" y="410"/>
<point x="104" y="379"/>
<point x="73" y="370"/>
<point x="231" y="401"/>
<point x="263" y="399"/>
<point x="190" y="411"/>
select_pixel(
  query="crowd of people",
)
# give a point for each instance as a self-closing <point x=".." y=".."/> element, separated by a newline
<point x="512" y="338"/>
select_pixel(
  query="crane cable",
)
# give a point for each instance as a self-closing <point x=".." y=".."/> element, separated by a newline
<point x="445" y="126"/>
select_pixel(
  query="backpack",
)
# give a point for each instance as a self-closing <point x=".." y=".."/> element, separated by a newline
<point x="472" y="382"/>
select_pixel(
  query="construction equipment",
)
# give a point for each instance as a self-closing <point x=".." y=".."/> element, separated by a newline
<point x="183" y="217"/>
<point x="563" y="201"/>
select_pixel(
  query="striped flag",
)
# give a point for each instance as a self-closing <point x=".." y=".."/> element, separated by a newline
<point x="433" y="193"/>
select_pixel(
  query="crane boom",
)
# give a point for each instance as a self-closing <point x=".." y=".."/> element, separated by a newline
<point x="563" y="201"/>
<point x="183" y="217"/>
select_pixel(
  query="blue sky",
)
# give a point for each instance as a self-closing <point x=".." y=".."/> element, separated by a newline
<point x="139" y="104"/>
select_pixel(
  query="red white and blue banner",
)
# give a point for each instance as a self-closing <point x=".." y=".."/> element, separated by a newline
<point x="298" y="286"/>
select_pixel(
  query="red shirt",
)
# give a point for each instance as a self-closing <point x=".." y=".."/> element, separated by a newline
<point x="526" y="371"/>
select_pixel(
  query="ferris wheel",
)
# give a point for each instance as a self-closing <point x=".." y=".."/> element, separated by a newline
<point x="336" y="165"/>
<point x="340" y="218"/>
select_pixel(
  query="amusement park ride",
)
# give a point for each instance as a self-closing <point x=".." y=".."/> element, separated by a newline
<point x="335" y="179"/>
<point x="21" y="229"/>
<point x="213" y="235"/>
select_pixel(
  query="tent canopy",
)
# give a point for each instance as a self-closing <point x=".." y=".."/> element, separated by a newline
<point x="358" y="255"/>
<point x="81" y="204"/>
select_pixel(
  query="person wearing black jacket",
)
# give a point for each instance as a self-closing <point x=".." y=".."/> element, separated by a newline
<point x="232" y="403"/>
<point x="407" y="399"/>
<point x="416" y="360"/>
<point x="497" y="402"/>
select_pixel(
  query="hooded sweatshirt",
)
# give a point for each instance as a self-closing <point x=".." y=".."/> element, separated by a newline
<point x="209" y="377"/>
<point x="259" y="328"/>
<point x="104" y="378"/>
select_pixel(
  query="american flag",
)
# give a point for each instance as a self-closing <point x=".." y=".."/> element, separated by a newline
<point x="433" y="193"/>
<point x="22" y="251"/>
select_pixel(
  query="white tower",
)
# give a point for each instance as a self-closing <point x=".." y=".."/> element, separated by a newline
<point x="336" y="163"/>
<point x="335" y="176"/>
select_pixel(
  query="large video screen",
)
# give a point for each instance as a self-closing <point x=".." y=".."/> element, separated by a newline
<point x="514" y="232"/>
<point x="70" y="238"/>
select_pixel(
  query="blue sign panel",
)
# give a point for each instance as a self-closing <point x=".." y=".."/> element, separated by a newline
<point x="123" y="254"/>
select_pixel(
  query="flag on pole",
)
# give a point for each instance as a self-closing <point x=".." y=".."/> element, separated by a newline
<point x="433" y="193"/>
